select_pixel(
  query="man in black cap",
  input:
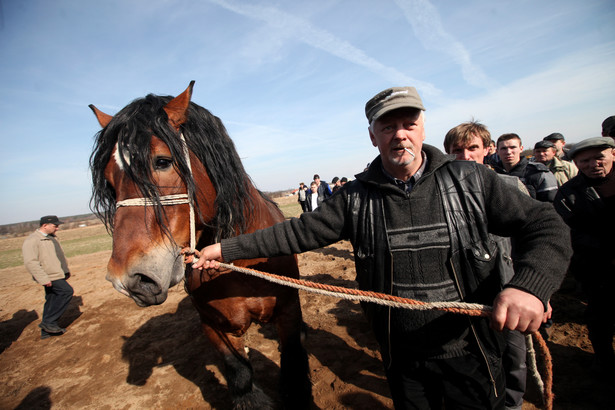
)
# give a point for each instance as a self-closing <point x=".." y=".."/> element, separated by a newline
<point x="45" y="260"/>
<point x="545" y="153"/>
<point x="559" y="141"/>
<point x="587" y="205"/>
<point x="419" y="222"/>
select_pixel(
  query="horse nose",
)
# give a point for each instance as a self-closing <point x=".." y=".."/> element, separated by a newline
<point x="145" y="289"/>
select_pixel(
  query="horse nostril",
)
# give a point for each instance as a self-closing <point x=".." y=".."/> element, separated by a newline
<point x="146" y="284"/>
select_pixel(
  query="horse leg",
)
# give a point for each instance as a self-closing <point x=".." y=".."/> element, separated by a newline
<point x="238" y="371"/>
<point x="295" y="383"/>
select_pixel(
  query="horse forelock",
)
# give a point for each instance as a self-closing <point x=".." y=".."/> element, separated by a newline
<point x="126" y="140"/>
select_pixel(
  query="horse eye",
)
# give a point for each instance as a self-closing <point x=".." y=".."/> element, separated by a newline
<point x="162" y="163"/>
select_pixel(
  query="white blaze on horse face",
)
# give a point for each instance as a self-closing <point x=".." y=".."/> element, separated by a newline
<point x="118" y="160"/>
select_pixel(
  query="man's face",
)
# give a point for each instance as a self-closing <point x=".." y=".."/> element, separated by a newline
<point x="314" y="187"/>
<point x="49" y="229"/>
<point x="492" y="148"/>
<point x="317" y="180"/>
<point x="544" y="155"/>
<point x="510" y="151"/>
<point x="472" y="151"/>
<point x="395" y="131"/>
<point x="595" y="163"/>
<point x="559" y="144"/>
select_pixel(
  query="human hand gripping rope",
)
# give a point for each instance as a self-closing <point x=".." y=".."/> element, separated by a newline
<point x="469" y="309"/>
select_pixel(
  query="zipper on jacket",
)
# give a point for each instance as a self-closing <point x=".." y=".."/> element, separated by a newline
<point x="480" y="346"/>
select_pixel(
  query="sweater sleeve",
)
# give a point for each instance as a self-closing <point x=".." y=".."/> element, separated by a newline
<point x="541" y="240"/>
<point x="311" y="230"/>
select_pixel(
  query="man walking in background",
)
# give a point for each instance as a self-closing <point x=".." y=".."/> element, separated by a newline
<point x="44" y="259"/>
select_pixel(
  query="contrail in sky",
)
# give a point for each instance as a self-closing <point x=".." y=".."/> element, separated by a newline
<point x="305" y="32"/>
<point x="428" y="28"/>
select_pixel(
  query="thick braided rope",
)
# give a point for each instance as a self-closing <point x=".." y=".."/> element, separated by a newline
<point x="471" y="309"/>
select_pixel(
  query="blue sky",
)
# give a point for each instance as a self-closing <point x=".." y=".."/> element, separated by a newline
<point x="289" y="79"/>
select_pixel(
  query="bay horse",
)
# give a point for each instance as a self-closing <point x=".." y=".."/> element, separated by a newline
<point x="164" y="169"/>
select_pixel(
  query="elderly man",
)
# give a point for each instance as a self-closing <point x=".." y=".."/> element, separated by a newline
<point x="539" y="181"/>
<point x="545" y="153"/>
<point x="419" y="223"/>
<point x="44" y="259"/>
<point x="587" y="205"/>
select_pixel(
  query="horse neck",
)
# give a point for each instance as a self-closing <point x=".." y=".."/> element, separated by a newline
<point x="265" y="212"/>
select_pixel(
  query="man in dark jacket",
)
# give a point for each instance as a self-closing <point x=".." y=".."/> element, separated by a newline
<point x="538" y="179"/>
<point x="419" y="223"/>
<point x="587" y="205"/>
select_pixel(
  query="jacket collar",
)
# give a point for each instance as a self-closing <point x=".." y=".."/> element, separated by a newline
<point x="374" y="175"/>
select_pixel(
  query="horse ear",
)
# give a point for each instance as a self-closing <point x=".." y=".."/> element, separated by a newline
<point x="177" y="108"/>
<point x="103" y="119"/>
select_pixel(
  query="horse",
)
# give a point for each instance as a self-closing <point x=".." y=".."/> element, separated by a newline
<point x="165" y="173"/>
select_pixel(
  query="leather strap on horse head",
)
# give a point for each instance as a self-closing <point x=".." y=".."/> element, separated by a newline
<point x="470" y="309"/>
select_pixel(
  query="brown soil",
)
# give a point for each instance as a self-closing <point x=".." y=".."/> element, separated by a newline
<point x="116" y="355"/>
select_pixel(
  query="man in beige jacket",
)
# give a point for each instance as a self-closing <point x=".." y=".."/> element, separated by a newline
<point x="45" y="260"/>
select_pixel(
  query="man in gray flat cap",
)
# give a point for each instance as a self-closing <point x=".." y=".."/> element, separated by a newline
<point x="587" y="205"/>
<point x="419" y="222"/>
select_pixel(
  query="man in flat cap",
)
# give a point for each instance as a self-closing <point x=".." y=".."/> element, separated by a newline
<point x="419" y="222"/>
<point x="545" y="152"/>
<point x="44" y="259"/>
<point x="559" y="141"/>
<point x="587" y="205"/>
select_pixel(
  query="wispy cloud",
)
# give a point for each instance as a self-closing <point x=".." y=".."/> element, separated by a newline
<point x="566" y="97"/>
<point x="302" y="30"/>
<point x="428" y="28"/>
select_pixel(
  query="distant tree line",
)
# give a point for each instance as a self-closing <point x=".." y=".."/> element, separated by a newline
<point x="23" y="228"/>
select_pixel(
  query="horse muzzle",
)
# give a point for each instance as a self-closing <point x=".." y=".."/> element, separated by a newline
<point x="148" y="279"/>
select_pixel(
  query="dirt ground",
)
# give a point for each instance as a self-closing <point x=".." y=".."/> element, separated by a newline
<point x="116" y="355"/>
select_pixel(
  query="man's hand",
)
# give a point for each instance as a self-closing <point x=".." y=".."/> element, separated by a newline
<point x="67" y="275"/>
<point x="208" y="257"/>
<point x="47" y="285"/>
<point x="515" y="309"/>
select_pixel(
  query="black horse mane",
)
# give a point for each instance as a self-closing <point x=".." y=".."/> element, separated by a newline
<point x="206" y="137"/>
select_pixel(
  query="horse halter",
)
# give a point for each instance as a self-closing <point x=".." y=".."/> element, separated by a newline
<point x="170" y="200"/>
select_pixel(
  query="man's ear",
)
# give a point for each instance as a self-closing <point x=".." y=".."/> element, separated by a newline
<point x="371" y="136"/>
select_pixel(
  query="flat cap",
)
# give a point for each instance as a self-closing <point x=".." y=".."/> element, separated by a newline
<point x="544" y="144"/>
<point x="50" y="219"/>
<point x="595" y="142"/>
<point x="392" y="99"/>
<point x="553" y="137"/>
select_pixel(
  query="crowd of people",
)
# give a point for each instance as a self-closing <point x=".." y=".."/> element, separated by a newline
<point x="483" y="225"/>
<point x="427" y="226"/>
